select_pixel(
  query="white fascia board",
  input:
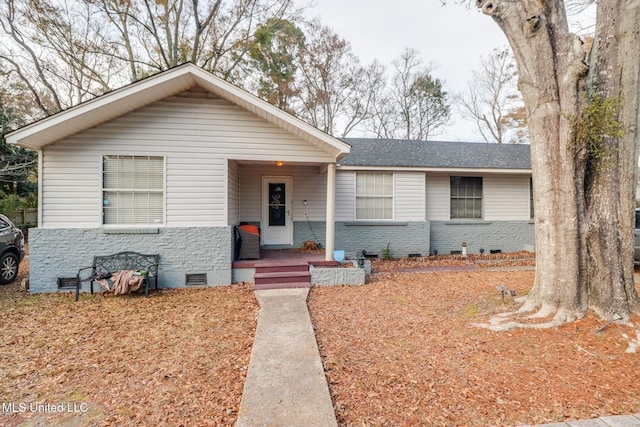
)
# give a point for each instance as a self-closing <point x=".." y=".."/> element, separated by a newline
<point x="136" y="95"/>
<point x="101" y="109"/>
<point x="435" y="170"/>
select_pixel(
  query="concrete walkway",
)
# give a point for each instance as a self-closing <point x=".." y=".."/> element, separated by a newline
<point x="613" y="421"/>
<point x="285" y="384"/>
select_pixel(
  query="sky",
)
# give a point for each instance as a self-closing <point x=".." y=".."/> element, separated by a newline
<point x="452" y="37"/>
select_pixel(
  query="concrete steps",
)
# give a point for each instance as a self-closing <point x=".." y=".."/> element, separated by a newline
<point x="282" y="275"/>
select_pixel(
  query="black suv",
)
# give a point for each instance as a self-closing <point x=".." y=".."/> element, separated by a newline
<point x="11" y="250"/>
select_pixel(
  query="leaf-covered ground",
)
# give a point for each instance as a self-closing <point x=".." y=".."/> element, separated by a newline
<point x="179" y="357"/>
<point x="402" y="350"/>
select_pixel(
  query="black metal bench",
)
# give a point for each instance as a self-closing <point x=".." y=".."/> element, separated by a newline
<point x="104" y="265"/>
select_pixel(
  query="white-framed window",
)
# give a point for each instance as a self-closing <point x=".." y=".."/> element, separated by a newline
<point x="466" y="197"/>
<point x="132" y="190"/>
<point x="374" y="195"/>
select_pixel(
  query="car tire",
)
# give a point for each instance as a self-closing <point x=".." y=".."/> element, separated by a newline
<point x="8" y="268"/>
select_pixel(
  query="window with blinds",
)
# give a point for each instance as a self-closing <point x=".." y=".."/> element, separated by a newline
<point x="466" y="197"/>
<point x="132" y="190"/>
<point x="374" y="195"/>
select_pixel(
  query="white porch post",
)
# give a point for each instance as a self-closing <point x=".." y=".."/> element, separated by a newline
<point x="331" y="211"/>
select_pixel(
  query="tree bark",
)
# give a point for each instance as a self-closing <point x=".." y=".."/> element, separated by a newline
<point x="610" y="188"/>
<point x="583" y="206"/>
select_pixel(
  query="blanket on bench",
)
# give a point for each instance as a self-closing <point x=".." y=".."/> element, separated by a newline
<point x="122" y="282"/>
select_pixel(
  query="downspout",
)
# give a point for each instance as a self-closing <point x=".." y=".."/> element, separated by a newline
<point x="331" y="212"/>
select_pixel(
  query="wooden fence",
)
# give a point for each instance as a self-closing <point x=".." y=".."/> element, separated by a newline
<point x="24" y="217"/>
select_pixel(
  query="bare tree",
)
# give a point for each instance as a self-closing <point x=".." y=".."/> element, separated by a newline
<point x="17" y="165"/>
<point x="336" y="91"/>
<point x="71" y="50"/>
<point x="66" y="33"/>
<point x="414" y="105"/>
<point x="35" y="77"/>
<point x="492" y="100"/>
<point x="368" y="83"/>
<point x="583" y="118"/>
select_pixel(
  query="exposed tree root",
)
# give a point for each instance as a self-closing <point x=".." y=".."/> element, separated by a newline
<point x="545" y="310"/>
<point x="508" y="326"/>
<point x="506" y="322"/>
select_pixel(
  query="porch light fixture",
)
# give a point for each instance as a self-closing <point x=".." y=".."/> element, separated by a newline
<point x="279" y="163"/>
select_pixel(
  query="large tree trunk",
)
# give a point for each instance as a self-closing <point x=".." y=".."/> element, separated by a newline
<point x="610" y="187"/>
<point x="583" y="203"/>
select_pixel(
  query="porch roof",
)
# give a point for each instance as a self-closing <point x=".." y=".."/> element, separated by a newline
<point x="155" y="88"/>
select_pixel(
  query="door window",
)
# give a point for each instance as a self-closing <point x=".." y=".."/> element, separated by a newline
<point x="277" y="207"/>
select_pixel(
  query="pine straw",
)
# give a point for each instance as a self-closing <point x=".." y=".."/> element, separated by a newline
<point x="402" y="351"/>
<point x="398" y="351"/>
<point x="178" y="357"/>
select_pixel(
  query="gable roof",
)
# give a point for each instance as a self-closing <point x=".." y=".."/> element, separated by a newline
<point x="155" y="88"/>
<point x="436" y="154"/>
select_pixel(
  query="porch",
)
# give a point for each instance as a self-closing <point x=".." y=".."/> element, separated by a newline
<point x="291" y="268"/>
<point x="286" y="200"/>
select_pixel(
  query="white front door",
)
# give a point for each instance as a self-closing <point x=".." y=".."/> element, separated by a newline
<point x="277" y="227"/>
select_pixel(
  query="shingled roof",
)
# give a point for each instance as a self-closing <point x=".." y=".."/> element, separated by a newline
<point x="436" y="154"/>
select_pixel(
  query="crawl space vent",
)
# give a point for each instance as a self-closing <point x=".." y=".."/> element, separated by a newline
<point x="196" y="279"/>
<point x="67" y="282"/>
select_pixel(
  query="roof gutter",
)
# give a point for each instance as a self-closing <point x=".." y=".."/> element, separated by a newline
<point x="434" y="169"/>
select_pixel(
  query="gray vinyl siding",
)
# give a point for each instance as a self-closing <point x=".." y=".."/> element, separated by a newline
<point x="251" y="193"/>
<point x="234" y="193"/>
<point x="311" y="185"/>
<point x="195" y="135"/>
<point x="196" y="193"/>
<point x="437" y="194"/>
<point x="409" y="196"/>
<point x="345" y="196"/>
<point x="71" y="196"/>
<point x="506" y="197"/>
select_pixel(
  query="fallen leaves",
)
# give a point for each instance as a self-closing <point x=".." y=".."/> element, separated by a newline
<point x="402" y="351"/>
<point x="399" y="351"/>
<point x="178" y="357"/>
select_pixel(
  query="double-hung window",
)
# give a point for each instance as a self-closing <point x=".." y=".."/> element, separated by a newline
<point x="374" y="195"/>
<point x="132" y="190"/>
<point x="466" y="197"/>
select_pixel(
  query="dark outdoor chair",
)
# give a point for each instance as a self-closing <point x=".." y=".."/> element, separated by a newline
<point x="247" y="242"/>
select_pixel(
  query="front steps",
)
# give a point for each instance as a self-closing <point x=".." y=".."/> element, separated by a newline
<point x="282" y="275"/>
